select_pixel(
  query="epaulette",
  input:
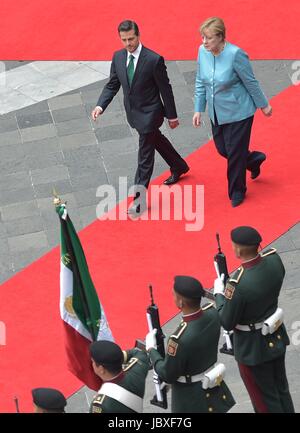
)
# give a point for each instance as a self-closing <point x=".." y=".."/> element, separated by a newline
<point x="237" y="276"/>
<point x="181" y="330"/>
<point x="97" y="403"/>
<point x="207" y="306"/>
<point x="268" y="252"/>
<point x="130" y="364"/>
<point x="125" y="356"/>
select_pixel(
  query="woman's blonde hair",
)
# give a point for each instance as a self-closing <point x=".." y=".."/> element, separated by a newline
<point x="216" y="25"/>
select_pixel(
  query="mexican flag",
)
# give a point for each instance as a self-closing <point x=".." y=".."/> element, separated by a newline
<point x="82" y="314"/>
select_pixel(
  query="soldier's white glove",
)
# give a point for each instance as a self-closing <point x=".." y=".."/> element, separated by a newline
<point x="219" y="286"/>
<point x="151" y="340"/>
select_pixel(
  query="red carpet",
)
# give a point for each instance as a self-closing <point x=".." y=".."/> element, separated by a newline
<point x="86" y="29"/>
<point x="125" y="256"/>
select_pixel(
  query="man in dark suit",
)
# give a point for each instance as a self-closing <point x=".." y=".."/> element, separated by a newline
<point x="148" y="98"/>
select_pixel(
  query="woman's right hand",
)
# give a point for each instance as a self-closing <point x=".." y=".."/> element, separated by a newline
<point x="197" y="119"/>
<point x="267" y="110"/>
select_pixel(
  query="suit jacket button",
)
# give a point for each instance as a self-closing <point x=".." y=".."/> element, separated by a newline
<point x="271" y="344"/>
<point x="208" y="395"/>
<point x="224" y="397"/>
<point x="279" y="337"/>
<point x="210" y="409"/>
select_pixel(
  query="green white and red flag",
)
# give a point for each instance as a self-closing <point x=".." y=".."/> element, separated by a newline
<point x="83" y="316"/>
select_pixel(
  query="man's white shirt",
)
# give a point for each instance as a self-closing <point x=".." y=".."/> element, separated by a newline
<point x="135" y="54"/>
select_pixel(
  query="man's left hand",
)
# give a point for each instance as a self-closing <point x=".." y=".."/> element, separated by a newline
<point x="173" y="123"/>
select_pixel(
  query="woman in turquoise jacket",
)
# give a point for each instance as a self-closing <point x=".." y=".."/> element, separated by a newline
<point x="226" y="83"/>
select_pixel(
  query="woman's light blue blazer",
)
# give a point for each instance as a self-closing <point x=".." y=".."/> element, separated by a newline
<point x="227" y="84"/>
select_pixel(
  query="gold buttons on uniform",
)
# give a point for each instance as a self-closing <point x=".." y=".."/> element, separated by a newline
<point x="224" y="397"/>
<point x="279" y="337"/>
<point x="271" y="344"/>
<point x="208" y="395"/>
<point x="210" y="409"/>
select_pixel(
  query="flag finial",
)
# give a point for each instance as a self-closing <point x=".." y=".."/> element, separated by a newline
<point x="57" y="201"/>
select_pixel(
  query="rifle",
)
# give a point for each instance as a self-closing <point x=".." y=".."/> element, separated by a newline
<point x="220" y="261"/>
<point x="160" y="397"/>
<point x="221" y="268"/>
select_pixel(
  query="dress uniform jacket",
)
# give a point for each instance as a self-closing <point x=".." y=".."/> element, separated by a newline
<point x="132" y="378"/>
<point x="250" y="297"/>
<point x="191" y="350"/>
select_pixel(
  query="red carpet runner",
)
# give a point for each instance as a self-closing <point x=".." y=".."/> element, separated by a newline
<point x="124" y="257"/>
<point x="86" y="29"/>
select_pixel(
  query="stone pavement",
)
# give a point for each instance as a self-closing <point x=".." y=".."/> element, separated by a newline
<point x="25" y="83"/>
<point x="54" y="143"/>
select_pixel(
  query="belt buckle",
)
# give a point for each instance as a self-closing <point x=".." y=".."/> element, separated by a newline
<point x="252" y="327"/>
<point x="188" y="379"/>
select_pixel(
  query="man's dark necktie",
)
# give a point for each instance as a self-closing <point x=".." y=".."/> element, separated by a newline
<point x="130" y="69"/>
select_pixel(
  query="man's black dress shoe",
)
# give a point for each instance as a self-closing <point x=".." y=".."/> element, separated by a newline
<point x="237" y="199"/>
<point x="175" y="176"/>
<point x="256" y="172"/>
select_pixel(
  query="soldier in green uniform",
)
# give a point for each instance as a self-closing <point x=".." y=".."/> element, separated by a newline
<point x="48" y="400"/>
<point x="124" y="375"/>
<point x="197" y="387"/>
<point x="249" y="305"/>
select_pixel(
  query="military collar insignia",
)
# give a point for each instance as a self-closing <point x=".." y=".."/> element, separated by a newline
<point x="252" y="263"/>
<point x="193" y="316"/>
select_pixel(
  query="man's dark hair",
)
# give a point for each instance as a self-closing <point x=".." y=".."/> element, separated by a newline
<point x="127" y="25"/>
